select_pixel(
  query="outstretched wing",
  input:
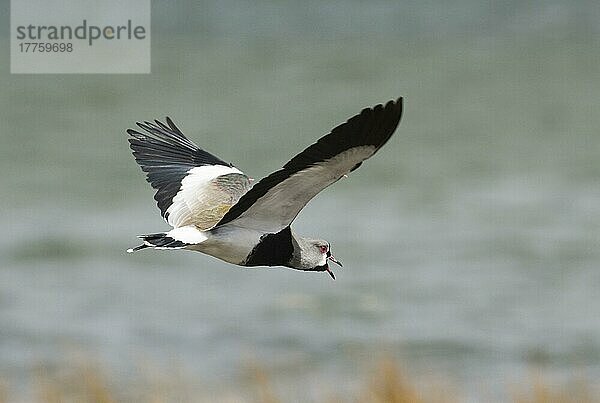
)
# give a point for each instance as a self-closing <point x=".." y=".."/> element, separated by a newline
<point x="274" y="202"/>
<point x="193" y="187"/>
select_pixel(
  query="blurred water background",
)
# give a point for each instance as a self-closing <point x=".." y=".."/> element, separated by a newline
<point x="471" y="242"/>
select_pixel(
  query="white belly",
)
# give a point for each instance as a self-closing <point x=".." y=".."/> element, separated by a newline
<point x="229" y="243"/>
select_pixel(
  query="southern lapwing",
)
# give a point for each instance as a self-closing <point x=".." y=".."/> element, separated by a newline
<point x="213" y="208"/>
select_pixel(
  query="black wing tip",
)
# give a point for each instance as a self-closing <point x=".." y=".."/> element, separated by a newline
<point x="134" y="133"/>
<point x="397" y="101"/>
<point x="395" y="105"/>
<point x="389" y="116"/>
<point x="398" y="105"/>
<point x="392" y="103"/>
<point x="150" y="126"/>
<point x="173" y="126"/>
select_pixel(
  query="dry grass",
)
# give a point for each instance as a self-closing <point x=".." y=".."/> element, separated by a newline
<point x="87" y="383"/>
<point x="3" y="397"/>
<point x="390" y="384"/>
<point x="574" y="392"/>
<point x="82" y="383"/>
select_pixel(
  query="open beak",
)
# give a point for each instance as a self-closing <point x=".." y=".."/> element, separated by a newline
<point x="328" y="270"/>
<point x="333" y="259"/>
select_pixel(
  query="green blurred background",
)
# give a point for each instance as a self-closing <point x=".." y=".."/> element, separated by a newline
<point x="471" y="242"/>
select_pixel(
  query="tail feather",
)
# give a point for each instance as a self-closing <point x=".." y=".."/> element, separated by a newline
<point x="140" y="247"/>
<point x="177" y="238"/>
<point x="158" y="241"/>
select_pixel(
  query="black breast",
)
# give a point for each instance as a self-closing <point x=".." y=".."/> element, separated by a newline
<point x="272" y="250"/>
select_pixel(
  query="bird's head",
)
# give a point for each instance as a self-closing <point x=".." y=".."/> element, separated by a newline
<point x="313" y="255"/>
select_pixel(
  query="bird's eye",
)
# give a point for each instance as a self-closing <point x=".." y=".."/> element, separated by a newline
<point x="323" y="249"/>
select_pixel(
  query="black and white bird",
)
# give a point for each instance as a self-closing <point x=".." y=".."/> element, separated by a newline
<point x="213" y="208"/>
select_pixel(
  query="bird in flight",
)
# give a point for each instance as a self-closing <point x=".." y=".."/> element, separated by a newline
<point x="213" y="208"/>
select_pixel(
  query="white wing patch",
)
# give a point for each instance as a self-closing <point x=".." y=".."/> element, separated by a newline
<point x="282" y="203"/>
<point x="189" y="234"/>
<point x="203" y="199"/>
